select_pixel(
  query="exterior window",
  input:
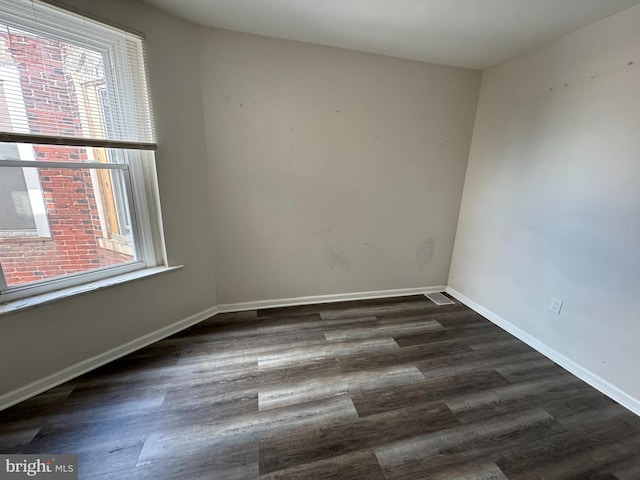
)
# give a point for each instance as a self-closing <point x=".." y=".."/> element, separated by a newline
<point x="22" y="212"/>
<point x="77" y="171"/>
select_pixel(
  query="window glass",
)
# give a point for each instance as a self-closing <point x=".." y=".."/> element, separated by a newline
<point x="75" y="165"/>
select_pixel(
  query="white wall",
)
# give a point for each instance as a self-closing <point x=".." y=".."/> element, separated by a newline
<point x="333" y="171"/>
<point x="41" y="341"/>
<point x="551" y="203"/>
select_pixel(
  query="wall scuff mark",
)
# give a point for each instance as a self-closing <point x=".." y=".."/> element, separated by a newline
<point x="424" y="255"/>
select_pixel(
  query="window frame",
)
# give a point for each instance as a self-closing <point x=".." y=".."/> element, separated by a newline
<point x="139" y="173"/>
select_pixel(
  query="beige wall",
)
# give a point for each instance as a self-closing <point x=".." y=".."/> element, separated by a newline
<point x="332" y="171"/>
<point x="42" y="341"/>
<point x="551" y="204"/>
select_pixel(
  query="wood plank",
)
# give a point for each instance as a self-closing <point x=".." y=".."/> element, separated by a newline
<point x="382" y="388"/>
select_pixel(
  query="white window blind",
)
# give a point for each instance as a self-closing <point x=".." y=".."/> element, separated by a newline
<point x="104" y="61"/>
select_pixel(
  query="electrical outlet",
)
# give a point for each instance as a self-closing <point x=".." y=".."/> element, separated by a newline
<point x="556" y="305"/>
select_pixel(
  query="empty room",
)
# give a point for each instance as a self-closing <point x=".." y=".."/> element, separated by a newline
<point x="347" y="239"/>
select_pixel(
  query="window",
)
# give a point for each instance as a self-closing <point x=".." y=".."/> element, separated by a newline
<point x="22" y="211"/>
<point x="77" y="170"/>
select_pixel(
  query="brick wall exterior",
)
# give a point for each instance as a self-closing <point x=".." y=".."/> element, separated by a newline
<point x="69" y="194"/>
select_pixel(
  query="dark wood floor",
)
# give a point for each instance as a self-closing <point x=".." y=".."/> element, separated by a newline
<point x="381" y="389"/>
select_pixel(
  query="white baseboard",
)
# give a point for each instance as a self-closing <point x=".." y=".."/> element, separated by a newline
<point x="610" y="390"/>
<point x="85" y="366"/>
<point x="339" y="297"/>
<point x="39" y="386"/>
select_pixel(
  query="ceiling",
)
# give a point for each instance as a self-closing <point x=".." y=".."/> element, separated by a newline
<point x="464" y="33"/>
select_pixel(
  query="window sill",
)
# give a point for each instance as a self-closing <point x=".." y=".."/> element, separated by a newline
<point x="24" y="239"/>
<point x="119" y="246"/>
<point x="14" y="306"/>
